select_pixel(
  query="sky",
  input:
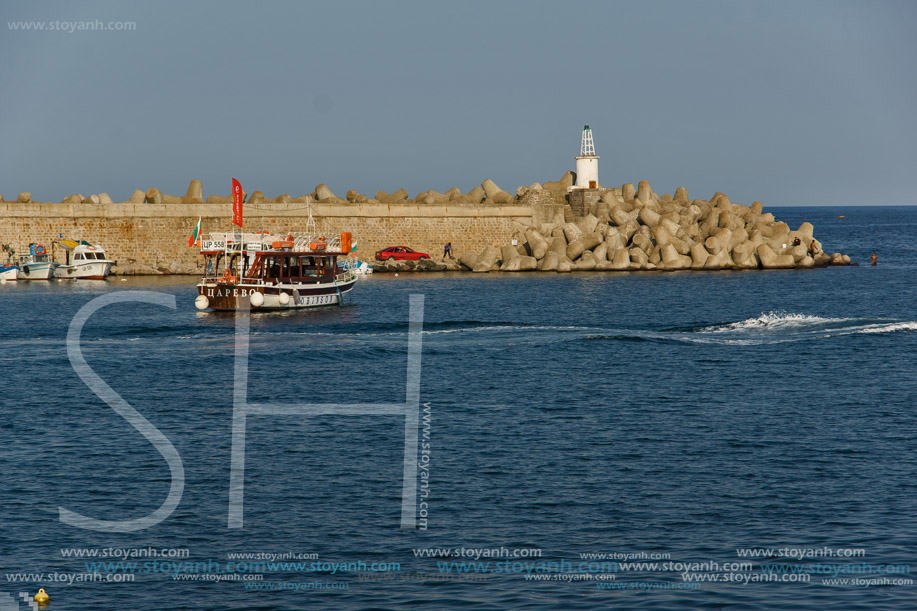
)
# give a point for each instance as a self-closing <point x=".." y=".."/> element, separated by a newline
<point x="787" y="102"/>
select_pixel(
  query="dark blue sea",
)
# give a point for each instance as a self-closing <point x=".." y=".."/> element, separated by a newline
<point x="724" y="440"/>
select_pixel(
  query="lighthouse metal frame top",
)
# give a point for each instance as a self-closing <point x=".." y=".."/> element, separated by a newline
<point x="587" y="146"/>
<point x="587" y="163"/>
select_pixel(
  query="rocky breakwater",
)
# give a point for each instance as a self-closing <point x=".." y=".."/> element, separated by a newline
<point x="632" y="229"/>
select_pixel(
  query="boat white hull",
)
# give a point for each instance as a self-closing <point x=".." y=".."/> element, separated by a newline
<point x="10" y="275"/>
<point x="37" y="271"/>
<point x="90" y="270"/>
<point x="222" y="296"/>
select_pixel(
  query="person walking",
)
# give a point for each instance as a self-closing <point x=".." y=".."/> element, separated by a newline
<point x="447" y="251"/>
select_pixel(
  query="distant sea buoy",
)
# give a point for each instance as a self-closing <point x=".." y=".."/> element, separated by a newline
<point x="42" y="597"/>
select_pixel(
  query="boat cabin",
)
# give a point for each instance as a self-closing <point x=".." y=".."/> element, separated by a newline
<point x="273" y="267"/>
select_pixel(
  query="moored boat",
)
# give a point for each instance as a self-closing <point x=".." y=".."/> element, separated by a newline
<point x="8" y="272"/>
<point x="37" y="265"/>
<point x="268" y="272"/>
<point x="84" y="261"/>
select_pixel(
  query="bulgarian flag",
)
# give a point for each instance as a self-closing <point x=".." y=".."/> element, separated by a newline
<point x="197" y="233"/>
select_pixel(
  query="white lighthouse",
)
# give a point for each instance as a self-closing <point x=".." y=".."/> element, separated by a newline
<point x="587" y="163"/>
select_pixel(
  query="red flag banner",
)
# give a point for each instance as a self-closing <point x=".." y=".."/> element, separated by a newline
<point x="236" y="202"/>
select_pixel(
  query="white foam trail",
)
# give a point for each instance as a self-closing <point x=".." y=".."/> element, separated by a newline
<point x="890" y="327"/>
<point x="775" y="321"/>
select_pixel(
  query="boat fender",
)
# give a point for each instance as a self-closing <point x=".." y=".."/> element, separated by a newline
<point x="284" y="299"/>
<point x="201" y="303"/>
<point x="256" y="299"/>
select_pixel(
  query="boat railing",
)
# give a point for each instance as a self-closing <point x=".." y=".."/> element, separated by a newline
<point x="236" y="242"/>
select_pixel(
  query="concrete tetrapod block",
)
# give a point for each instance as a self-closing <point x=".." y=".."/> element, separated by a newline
<point x="487" y="260"/>
<point x="642" y="242"/>
<point x="613" y="239"/>
<point x="508" y="252"/>
<point x="587" y="224"/>
<point x="798" y="253"/>
<point x="771" y="260"/>
<point x="195" y="191"/>
<point x="621" y="218"/>
<point x="719" y="260"/>
<point x="674" y="260"/>
<point x="681" y="195"/>
<point x="537" y="243"/>
<point x="621" y="260"/>
<point x="628" y="230"/>
<point x="743" y="255"/>
<point x="699" y="256"/>
<point x="648" y="216"/>
<point x="718" y="241"/>
<point x="572" y="232"/>
<point x="644" y="191"/>
<point x="636" y="255"/>
<point x="757" y="207"/>
<point x="806" y="229"/>
<point x="601" y="252"/>
<point x="550" y="261"/>
<point x="558" y="245"/>
<point x="628" y="192"/>
<point x="469" y="260"/>
<point x="738" y="236"/>
<point x="587" y="242"/>
<point x="24" y="198"/>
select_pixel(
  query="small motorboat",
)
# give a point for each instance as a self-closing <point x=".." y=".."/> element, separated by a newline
<point x="8" y="272"/>
<point x="85" y="261"/>
<point x="37" y="265"/>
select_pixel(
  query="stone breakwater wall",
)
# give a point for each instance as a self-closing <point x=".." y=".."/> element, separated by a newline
<point x="633" y="229"/>
<point x="149" y="238"/>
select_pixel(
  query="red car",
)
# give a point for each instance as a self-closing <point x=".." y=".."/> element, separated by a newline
<point x="399" y="253"/>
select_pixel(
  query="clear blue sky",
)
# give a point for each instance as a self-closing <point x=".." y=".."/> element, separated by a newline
<point x="791" y="103"/>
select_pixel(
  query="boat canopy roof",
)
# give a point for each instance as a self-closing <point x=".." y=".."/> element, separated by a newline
<point x="71" y="244"/>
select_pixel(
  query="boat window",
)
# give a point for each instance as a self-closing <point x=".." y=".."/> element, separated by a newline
<point x="274" y="268"/>
<point x="78" y="256"/>
<point x="294" y="267"/>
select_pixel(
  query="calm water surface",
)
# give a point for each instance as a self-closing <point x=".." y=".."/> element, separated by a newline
<point x="675" y="417"/>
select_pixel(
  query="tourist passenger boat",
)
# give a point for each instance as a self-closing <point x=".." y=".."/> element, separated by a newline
<point x="84" y="261"/>
<point x="37" y="265"/>
<point x="270" y="272"/>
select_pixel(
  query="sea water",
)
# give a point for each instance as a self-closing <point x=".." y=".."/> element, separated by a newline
<point x="750" y="433"/>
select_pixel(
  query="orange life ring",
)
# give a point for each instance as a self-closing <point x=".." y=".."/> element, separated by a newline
<point x="90" y="247"/>
<point x="228" y="277"/>
<point x="40" y="249"/>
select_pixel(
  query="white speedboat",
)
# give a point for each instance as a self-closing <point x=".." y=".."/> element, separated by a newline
<point x="84" y="261"/>
<point x="37" y="265"/>
<point x="8" y="272"/>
